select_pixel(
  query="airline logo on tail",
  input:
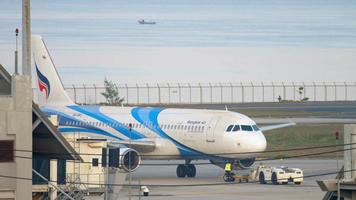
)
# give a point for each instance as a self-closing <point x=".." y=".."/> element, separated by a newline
<point x="43" y="83"/>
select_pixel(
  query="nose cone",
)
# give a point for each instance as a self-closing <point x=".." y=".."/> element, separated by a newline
<point x="260" y="143"/>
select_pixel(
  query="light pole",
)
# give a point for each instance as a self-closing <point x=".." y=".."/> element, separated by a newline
<point x="26" y="38"/>
<point x="17" y="52"/>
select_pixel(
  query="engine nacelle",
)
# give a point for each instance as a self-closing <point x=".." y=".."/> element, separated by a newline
<point x="130" y="159"/>
<point x="245" y="163"/>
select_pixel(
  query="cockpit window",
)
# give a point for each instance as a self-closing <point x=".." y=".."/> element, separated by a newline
<point x="236" y="128"/>
<point x="255" y="128"/>
<point x="229" y="128"/>
<point x="246" y="128"/>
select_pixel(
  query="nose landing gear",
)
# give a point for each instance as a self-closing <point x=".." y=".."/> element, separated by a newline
<point x="188" y="170"/>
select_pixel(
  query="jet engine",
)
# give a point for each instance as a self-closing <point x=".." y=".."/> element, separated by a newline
<point x="245" y="163"/>
<point x="130" y="159"/>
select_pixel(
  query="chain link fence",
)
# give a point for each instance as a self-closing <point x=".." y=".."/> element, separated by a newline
<point x="216" y="93"/>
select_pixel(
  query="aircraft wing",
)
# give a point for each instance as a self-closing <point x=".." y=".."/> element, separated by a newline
<point x="271" y="127"/>
<point x="142" y="146"/>
<point x="305" y="120"/>
<point x="285" y="122"/>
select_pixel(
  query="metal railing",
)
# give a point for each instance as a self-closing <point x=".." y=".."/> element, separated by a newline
<point x="217" y="93"/>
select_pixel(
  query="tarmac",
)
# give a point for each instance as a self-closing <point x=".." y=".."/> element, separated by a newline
<point x="210" y="174"/>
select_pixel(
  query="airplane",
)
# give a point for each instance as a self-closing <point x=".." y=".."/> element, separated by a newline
<point x="219" y="136"/>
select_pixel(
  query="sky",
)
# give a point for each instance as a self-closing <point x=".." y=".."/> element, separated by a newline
<point x="193" y="40"/>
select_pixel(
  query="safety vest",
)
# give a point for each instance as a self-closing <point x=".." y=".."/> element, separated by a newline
<point x="228" y="167"/>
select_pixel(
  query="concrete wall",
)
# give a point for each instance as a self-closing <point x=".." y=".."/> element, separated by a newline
<point x="16" y="124"/>
<point x="86" y="172"/>
<point x="92" y="175"/>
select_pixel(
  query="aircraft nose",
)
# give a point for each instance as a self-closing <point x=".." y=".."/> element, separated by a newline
<point x="260" y="143"/>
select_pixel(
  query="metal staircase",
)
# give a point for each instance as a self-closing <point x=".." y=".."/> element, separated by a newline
<point x="74" y="187"/>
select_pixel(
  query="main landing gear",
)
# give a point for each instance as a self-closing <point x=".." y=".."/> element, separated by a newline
<point x="187" y="169"/>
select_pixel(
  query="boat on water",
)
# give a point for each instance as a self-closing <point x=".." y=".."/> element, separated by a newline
<point x="142" y="21"/>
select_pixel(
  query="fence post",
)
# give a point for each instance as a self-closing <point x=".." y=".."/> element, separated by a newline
<point x="221" y="93"/>
<point x="116" y="87"/>
<point x="242" y="93"/>
<point x="325" y="92"/>
<point x="169" y="93"/>
<point x="263" y="92"/>
<point x="314" y="85"/>
<point x="293" y="91"/>
<point x="305" y="90"/>
<point x="335" y="92"/>
<point x="253" y="92"/>
<point x="355" y="88"/>
<point x="75" y="94"/>
<point x="284" y="91"/>
<point x="201" y="93"/>
<point x="232" y="92"/>
<point x="95" y="97"/>
<point x="273" y="92"/>
<point x="127" y="94"/>
<point x="211" y="93"/>
<point x="159" y="94"/>
<point x="137" y="93"/>
<point x="190" y="93"/>
<point x="148" y="93"/>
<point x="345" y="91"/>
<point x="179" y="93"/>
<point x="85" y="94"/>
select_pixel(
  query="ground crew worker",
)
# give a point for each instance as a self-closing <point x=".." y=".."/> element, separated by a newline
<point x="228" y="171"/>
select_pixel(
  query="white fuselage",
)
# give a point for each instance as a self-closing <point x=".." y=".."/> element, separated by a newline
<point x="177" y="133"/>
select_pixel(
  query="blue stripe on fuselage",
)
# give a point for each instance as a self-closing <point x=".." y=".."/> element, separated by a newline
<point x="149" y="118"/>
<point x="94" y="112"/>
<point x="85" y="130"/>
<point x="83" y="126"/>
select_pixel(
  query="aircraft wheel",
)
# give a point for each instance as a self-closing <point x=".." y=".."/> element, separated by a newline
<point x="191" y="170"/>
<point x="261" y="178"/>
<point x="225" y="177"/>
<point x="181" y="171"/>
<point x="274" y="178"/>
<point x="228" y="178"/>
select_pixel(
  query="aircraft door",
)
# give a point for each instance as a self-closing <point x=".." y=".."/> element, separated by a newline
<point x="210" y="136"/>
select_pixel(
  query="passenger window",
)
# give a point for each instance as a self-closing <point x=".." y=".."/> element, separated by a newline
<point x="246" y="128"/>
<point x="236" y="128"/>
<point x="229" y="128"/>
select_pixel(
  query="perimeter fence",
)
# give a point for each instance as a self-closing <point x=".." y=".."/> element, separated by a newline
<point x="216" y="93"/>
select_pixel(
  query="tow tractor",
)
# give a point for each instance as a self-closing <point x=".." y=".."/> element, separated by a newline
<point x="264" y="174"/>
<point x="278" y="175"/>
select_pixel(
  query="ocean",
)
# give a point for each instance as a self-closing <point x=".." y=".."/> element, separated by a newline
<point x="90" y="36"/>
